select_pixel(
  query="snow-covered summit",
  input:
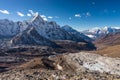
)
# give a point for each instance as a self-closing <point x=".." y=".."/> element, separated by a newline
<point x="36" y="18"/>
<point x="98" y="32"/>
<point x="50" y="30"/>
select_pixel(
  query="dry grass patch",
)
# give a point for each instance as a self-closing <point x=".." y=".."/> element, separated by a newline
<point x="111" y="51"/>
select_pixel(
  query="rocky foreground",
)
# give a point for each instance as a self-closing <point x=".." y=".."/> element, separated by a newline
<point x="72" y="66"/>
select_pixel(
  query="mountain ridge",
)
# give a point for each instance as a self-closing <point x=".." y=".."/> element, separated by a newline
<point x="76" y="33"/>
<point x="47" y="32"/>
<point x="31" y="37"/>
<point x="100" y="32"/>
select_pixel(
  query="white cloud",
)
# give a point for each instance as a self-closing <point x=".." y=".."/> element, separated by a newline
<point x="88" y="14"/>
<point x="50" y="17"/>
<point x="44" y="17"/>
<point x="28" y="15"/>
<point x="77" y="15"/>
<point x="20" y="14"/>
<point x="4" y="11"/>
<point x="31" y="11"/>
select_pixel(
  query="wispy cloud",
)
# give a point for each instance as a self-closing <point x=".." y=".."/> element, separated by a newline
<point x="20" y="14"/>
<point x="28" y="15"/>
<point x="77" y="15"/>
<point x="44" y="17"/>
<point x="50" y="17"/>
<point x="31" y="11"/>
<point x="4" y="11"/>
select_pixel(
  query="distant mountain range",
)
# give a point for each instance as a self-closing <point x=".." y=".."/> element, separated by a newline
<point x="100" y="32"/>
<point x="109" y="39"/>
<point x="109" y="45"/>
<point x="39" y="32"/>
<point x="36" y="31"/>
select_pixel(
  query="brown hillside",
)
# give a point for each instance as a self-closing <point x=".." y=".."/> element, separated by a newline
<point x="111" y="51"/>
<point x="110" y="39"/>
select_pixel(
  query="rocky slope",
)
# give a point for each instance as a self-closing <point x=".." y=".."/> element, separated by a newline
<point x="31" y="37"/>
<point x="75" y="46"/>
<point x="76" y="33"/>
<point x="77" y="66"/>
<point x="51" y="30"/>
<point x="95" y="62"/>
<point x="111" y="51"/>
<point x="9" y="28"/>
<point x="109" y="39"/>
<point x="109" y="45"/>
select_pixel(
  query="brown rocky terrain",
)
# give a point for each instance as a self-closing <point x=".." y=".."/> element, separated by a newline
<point x="108" y="40"/>
<point x="72" y="66"/>
<point x="10" y="57"/>
<point x="77" y="46"/>
<point x="111" y="51"/>
<point x="65" y="63"/>
<point x="109" y="45"/>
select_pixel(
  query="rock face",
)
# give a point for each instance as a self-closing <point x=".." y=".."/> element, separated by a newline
<point x="77" y="34"/>
<point x="9" y="28"/>
<point x="31" y="37"/>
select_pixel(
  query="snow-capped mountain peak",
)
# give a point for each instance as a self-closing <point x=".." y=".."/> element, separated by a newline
<point x="99" y="32"/>
<point x="37" y="17"/>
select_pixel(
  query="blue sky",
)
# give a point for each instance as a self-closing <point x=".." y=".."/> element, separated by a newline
<point x="80" y="14"/>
